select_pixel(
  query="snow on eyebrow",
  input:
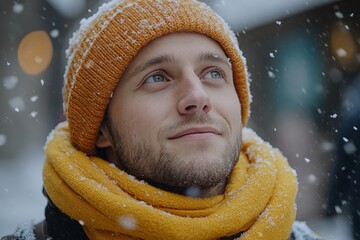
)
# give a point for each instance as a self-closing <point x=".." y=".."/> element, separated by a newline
<point x="213" y="57"/>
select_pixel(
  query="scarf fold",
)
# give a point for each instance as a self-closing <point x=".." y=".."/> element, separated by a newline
<point x="259" y="200"/>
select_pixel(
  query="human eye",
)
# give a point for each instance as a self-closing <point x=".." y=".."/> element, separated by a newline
<point x="156" y="78"/>
<point x="214" y="74"/>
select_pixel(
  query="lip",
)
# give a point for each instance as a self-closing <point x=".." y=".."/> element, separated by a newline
<point x="196" y="132"/>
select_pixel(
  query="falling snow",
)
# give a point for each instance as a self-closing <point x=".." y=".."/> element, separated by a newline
<point x="34" y="98"/>
<point x="339" y="14"/>
<point x="10" y="82"/>
<point x="18" y="8"/>
<point x="54" y="33"/>
<point x="312" y="178"/>
<point x="33" y="114"/>
<point x="307" y="160"/>
<point x="341" y="52"/>
<point x="193" y="192"/>
<point x="17" y="104"/>
<point x="2" y="139"/>
<point x="333" y="115"/>
<point x="349" y="148"/>
<point x="271" y="74"/>
<point x="338" y="210"/>
<point x="271" y="55"/>
<point x="327" y="146"/>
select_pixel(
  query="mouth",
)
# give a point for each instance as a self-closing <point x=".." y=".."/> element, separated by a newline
<point x="199" y="132"/>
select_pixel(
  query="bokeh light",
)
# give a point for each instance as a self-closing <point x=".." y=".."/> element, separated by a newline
<point x="343" y="46"/>
<point x="35" y="52"/>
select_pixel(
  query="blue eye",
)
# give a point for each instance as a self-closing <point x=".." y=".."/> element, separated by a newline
<point x="213" y="74"/>
<point x="155" y="78"/>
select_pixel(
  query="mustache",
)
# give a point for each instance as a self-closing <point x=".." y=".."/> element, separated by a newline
<point x="195" y="120"/>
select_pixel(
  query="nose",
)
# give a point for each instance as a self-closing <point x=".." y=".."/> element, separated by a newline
<point x="193" y="97"/>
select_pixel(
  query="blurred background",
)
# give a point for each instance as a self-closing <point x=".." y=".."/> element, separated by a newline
<point x="303" y="57"/>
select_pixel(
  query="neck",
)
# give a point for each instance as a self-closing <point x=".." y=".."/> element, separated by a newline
<point x="192" y="191"/>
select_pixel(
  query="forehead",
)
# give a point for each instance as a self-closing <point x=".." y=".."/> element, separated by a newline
<point x="183" y="44"/>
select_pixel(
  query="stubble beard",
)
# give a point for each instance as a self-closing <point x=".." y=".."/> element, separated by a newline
<point x="138" y="158"/>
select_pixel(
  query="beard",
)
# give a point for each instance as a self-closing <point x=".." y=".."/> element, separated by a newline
<point x="154" y="163"/>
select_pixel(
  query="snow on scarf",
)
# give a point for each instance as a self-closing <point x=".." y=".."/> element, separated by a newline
<point x="259" y="200"/>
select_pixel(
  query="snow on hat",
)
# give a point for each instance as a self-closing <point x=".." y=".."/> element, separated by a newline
<point x="101" y="49"/>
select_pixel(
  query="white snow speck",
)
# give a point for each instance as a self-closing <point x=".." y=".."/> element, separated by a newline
<point x="128" y="222"/>
<point x="34" y="98"/>
<point x="8" y="64"/>
<point x="54" y="33"/>
<point x="42" y="82"/>
<point x="307" y="160"/>
<point x="39" y="59"/>
<point x="339" y="14"/>
<point x="10" y="82"/>
<point x="355" y="128"/>
<point x="271" y="55"/>
<point x="18" y="8"/>
<point x="2" y="139"/>
<point x="338" y="209"/>
<point x="278" y="22"/>
<point x="303" y="90"/>
<point x="33" y="114"/>
<point x="82" y="223"/>
<point x="17" y="104"/>
<point x="312" y="178"/>
<point x="341" y="52"/>
<point x="333" y="115"/>
<point x="345" y="139"/>
<point x="271" y="74"/>
<point x="193" y="192"/>
<point x="351" y="14"/>
<point x="6" y="190"/>
<point x="349" y="148"/>
<point x="327" y="146"/>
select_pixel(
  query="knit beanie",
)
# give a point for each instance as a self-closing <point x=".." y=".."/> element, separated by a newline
<point x="104" y="45"/>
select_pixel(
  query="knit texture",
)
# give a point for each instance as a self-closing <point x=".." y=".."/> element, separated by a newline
<point x="105" y="44"/>
<point x="259" y="200"/>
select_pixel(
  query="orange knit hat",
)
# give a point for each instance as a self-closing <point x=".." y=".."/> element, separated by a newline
<point x="104" y="45"/>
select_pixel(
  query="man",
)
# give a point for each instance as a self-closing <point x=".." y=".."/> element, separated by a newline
<point x="156" y="96"/>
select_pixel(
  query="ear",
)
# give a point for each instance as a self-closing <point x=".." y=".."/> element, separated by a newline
<point x="103" y="139"/>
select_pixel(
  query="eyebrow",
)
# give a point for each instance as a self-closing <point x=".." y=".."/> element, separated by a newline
<point x="168" y="58"/>
<point x="213" y="57"/>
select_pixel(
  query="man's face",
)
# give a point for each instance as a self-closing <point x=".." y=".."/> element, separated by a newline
<point x="174" y="118"/>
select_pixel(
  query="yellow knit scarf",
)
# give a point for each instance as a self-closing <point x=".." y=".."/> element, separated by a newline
<point x="259" y="200"/>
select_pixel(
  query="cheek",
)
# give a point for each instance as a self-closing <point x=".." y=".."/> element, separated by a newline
<point x="140" y="117"/>
<point x="228" y="105"/>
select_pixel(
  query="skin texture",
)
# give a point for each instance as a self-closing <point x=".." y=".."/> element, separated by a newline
<point x="175" y="119"/>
